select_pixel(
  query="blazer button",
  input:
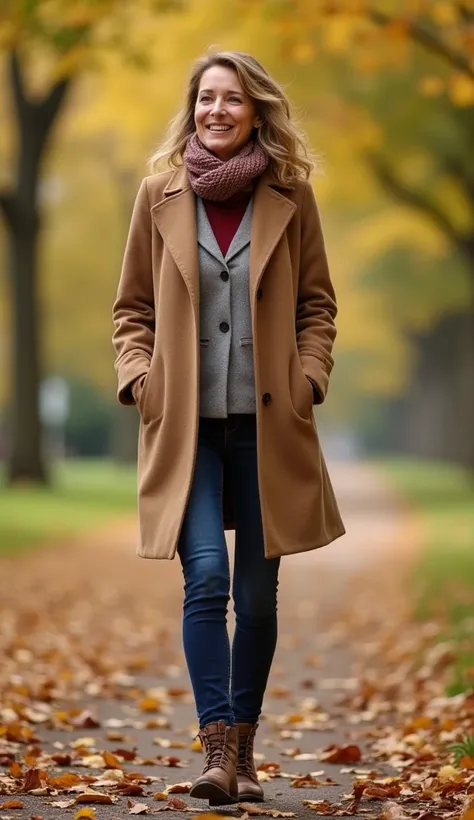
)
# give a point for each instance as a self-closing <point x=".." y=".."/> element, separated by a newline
<point x="224" y="327"/>
<point x="224" y="276"/>
<point x="266" y="398"/>
<point x="259" y="293"/>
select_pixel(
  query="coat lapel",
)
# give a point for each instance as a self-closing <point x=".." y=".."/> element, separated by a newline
<point x="272" y="212"/>
<point x="175" y="218"/>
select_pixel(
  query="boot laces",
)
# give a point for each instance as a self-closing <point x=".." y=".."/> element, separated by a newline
<point x="217" y="752"/>
<point x="245" y="762"/>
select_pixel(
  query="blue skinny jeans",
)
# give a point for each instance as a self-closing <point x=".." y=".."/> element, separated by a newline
<point x="228" y="684"/>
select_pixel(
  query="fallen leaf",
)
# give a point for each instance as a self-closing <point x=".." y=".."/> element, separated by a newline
<point x="93" y="797"/>
<point x="179" y="788"/>
<point x="139" y="808"/>
<point x="62" y="804"/>
<point x="149" y="704"/>
<point x="257" y="810"/>
<point x="85" y="814"/>
<point x="342" y="754"/>
<point x="393" y="812"/>
<point x="85" y="720"/>
<point x="111" y="761"/>
<point x="12" y="804"/>
<point x="177" y="803"/>
<point x="306" y="781"/>
<point x="64" y="781"/>
<point x="32" y="780"/>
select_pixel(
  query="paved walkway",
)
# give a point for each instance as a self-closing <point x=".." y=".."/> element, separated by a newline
<point x="101" y="629"/>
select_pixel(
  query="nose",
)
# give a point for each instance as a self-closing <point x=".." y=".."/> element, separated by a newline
<point x="218" y="107"/>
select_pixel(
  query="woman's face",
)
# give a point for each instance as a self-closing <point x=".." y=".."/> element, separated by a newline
<point x="224" y="114"/>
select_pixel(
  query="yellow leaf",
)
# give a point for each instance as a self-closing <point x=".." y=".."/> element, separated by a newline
<point x="85" y="814"/>
<point x="448" y="773"/>
<point x="461" y="90"/>
<point x="196" y="745"/>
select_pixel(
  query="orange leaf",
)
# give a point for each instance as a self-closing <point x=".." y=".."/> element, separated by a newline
<point x="12" y="804"/>
<point x="342" y="754"/>
<point x="93" y="797"/>
<point x="149" y="704"/>
<point x="64" y="781"/>
<point x="111" y="761"/>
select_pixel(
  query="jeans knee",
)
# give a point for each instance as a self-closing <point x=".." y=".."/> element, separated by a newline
<point x="207" y="579"/>
<point x="254" y="605"/>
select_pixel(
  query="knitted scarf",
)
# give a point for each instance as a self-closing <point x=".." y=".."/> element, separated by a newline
<point x="216" y="179"/>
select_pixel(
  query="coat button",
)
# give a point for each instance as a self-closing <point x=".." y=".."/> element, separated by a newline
<point x="266" y="398"/>
<point x="224" y="327"/>
<point x="224" y="276"/>
<point x="259" y="293"/>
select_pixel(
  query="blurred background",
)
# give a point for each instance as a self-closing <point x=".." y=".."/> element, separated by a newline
<point x="385" y="91"/>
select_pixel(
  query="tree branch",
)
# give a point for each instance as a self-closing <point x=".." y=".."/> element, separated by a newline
<point x="17" y="84"/>
<point x="427" y="39"/>
<point x="414" y="199"/>
<point x="51" y="104"/>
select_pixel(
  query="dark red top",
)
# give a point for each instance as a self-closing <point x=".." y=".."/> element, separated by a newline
<point x="225" y="217"/>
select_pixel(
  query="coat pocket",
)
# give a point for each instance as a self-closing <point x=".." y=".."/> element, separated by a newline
<point x="150" y="400"/>
<point x="301" y="390"/>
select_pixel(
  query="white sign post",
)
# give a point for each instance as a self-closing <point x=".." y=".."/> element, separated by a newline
<point x="54" y="408"/>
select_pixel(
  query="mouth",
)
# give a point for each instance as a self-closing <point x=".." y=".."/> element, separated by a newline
<point x="219" y="129"/>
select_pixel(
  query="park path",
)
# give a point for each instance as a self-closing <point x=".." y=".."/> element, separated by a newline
<point x="102" y="629"/>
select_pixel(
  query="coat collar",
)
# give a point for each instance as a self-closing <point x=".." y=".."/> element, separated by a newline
<point x="175" y="218"/>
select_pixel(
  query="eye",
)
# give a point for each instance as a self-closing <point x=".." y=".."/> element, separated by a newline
<point x="235" y="99"/>
<point x="205" y="98"/>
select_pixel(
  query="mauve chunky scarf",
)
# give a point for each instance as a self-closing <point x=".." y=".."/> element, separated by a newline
<point x="216" y="179"/>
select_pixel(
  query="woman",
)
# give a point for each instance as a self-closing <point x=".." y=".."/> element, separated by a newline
<point x="224" y="326"/>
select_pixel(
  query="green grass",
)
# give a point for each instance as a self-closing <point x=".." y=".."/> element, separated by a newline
<point x="443" y="498"/>
<point x="84" y="494"/>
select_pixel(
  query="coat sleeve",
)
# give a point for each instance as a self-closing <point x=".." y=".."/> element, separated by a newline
<point x="134" y="309"/>
<point x="316" y="307"/>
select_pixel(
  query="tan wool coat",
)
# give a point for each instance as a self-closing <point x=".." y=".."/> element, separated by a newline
<point x="156" y="340"/>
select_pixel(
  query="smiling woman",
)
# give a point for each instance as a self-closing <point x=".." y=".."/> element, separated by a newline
<point x="224" y="327"/>
<point x="224" y="114"/>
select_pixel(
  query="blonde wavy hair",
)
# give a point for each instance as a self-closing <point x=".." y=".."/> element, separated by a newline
<point x="278" y="135"/>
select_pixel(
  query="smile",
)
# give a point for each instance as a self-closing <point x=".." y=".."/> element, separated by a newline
<point x="219" y="128"/>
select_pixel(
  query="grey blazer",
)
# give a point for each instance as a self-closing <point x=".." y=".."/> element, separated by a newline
<point x="227" y="380"/>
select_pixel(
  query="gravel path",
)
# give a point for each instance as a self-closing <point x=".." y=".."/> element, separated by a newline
<point x="117" y="619"/>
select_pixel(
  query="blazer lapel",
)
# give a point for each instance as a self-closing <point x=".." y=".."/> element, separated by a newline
<point x="175" y="218"/>
<point x="242" y="236"/>
<point x="272" y="212"/>
<point x="205" y="234"/>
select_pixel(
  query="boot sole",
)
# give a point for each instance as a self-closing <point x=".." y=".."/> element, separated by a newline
<point x="250" y="798"/>
<point x="214" y="793"/>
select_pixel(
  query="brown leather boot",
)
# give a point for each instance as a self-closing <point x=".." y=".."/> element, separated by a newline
<point x="247" y="779"/>
<point x="218" y="782"/>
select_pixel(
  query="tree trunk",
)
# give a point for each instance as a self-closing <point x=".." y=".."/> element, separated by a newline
<point x="435" y="417"/>
<point x="26" y="459"/>
<point x="35" y="120"/>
